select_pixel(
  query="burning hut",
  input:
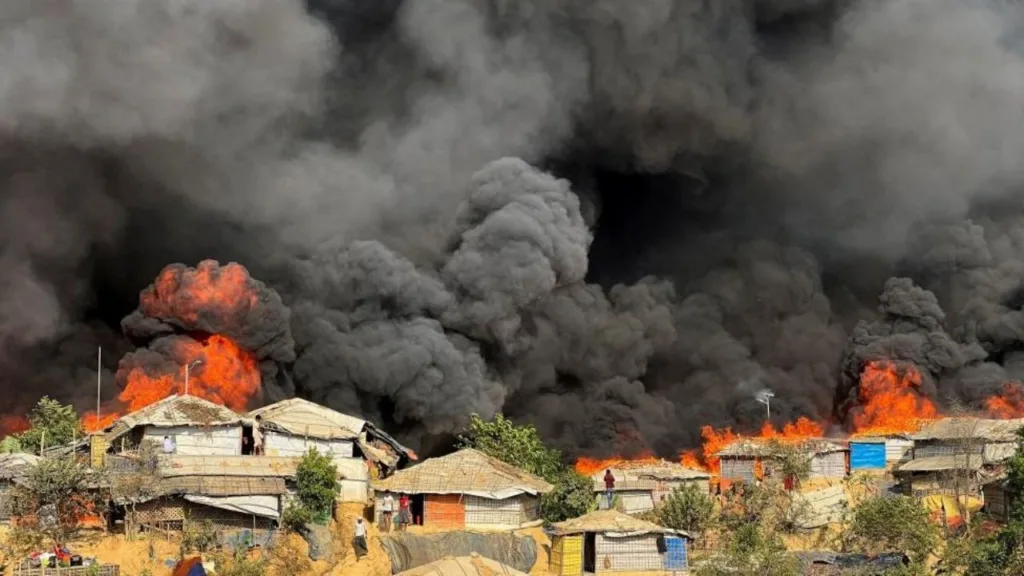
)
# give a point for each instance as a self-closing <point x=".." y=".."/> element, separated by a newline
<point x="869" y="453"/>
<point x="292" y="427"/>
<point x="748" y="460"/>
<point x="609" y="541"/>
<point x="13" y="468"/>
<point x="468" y="489"/>
<point x="957" y="455"/>
<point x="197" y="427"/>
<point x="643" y="486"/>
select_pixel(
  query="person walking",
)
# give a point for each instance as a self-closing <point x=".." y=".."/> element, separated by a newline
<point x="609" y="487"/>
<point x="387" y="507"/>
<point x="359" y="542"/>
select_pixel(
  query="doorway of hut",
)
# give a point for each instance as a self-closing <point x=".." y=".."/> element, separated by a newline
<point x="590" y="553"/>
<point x="416" y="509"/>
<point x="247" y="441"/>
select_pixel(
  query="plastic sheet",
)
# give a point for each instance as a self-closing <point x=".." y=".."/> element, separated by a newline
<point x="408" y="551"/>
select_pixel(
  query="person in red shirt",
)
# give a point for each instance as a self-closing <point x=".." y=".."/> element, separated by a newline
<point x="404" y="515"/>
<point x="609" y="487"/>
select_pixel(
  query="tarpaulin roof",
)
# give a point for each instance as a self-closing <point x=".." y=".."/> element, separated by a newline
<point x="175" y="410"/>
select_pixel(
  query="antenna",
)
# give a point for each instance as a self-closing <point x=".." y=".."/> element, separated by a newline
<point x="765" y="397"/>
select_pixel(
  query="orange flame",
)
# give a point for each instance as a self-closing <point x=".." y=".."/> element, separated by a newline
<point x="589" y="466"/>
<point x="1008" y="404"/>
<point x="190" y="293"/>
<point x="890" y="401"/>
<point x="226" y="375"/>
<point x="13" y="424"/>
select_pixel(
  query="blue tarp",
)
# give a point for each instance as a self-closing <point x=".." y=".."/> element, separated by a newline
<point x="867" y="455"/>
<point x="675" y="553"/>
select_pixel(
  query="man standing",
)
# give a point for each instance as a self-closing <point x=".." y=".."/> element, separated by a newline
<point x="387" y="506"/>
<point x="609" y="487"/>
<point x="257" y="437"/>
<point x="359" y="542"/>
<point x="169" y="445"/>
<point x="404" y="515"/>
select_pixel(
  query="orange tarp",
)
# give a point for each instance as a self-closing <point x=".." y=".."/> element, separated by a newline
<point x="444" y="511"/>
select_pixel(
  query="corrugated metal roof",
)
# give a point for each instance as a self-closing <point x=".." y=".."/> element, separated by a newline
<point x="981" y="428"/>
<point x="467" y="471"/>
<point x="176" y="410"/>
<point x="304" y="418"/>
<point x="273" y="466"/>
<point x="950" y="462"/>
<point x="753" y="447"/>
<point x="610" y="521"/>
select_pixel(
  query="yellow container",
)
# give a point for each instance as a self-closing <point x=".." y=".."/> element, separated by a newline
<point x="567" y="555"/>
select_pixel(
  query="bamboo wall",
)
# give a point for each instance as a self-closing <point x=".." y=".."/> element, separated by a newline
<point x="627" y="554"/>
<point x="566" y="555"/>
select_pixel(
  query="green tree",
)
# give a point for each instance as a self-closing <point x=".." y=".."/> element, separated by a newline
<point x="317" y="482"/>
<point x="53" y="423"/>
<point x="53" y="498"/>
<point x="522" y="447"/>
<point x="753" y="550"/>
<point x="687" y="508"/>
<point x="898" y="523"/>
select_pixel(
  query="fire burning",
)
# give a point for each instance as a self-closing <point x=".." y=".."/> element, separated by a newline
<point x="220" y="309"/>
<point x="890" y="401"/>
<point x="13" y="424"/>
<point x="1009" y="404"/>
<point x="589" y="466"/>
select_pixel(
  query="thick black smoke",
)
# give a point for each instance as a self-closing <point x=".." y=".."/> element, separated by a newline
<point x="619" y="220"/>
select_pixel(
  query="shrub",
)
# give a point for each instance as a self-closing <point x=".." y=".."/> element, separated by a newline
<point x="687" y="508"/>
<point x="898" y="523"/>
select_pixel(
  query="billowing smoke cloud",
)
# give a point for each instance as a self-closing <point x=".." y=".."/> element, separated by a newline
<point x="616" y="220"/>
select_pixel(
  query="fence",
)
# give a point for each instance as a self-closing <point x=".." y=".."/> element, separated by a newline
<point x="104" y="570"/>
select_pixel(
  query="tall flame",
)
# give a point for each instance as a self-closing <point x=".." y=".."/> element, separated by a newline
<point x="588" y="466"/>
<point x="890" y="400"/>
<point x="12" y="424"/>
<point x="189" y="294"/>
<point x="225" y="374"/>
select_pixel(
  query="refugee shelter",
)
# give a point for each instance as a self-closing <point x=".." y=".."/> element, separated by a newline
<point x="958" y="455"/>
<point x="643" y="485"/>
<point x="233" y="493"/>
<point x="197" y="427"/>
<point x="13" y="469"/>
<point x="292" y="427"/>
<point x="608" y="541"/>
<point x="467" y="489"/>
<point x="869" y="453"/>
<point x="749" y="460"/>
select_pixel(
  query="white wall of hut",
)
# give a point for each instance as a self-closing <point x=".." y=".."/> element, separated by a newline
<point x="278" y="444"/>
<point x="199" y="440"/>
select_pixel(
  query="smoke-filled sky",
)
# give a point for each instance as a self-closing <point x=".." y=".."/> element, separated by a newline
<point x="616" y="219"/>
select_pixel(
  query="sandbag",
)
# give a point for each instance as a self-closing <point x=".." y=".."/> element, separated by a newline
<point x="408" y="551"/>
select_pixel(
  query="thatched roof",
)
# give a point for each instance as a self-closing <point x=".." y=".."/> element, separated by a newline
<point x="610" y="522"/>
<point x="222" y="485"/>
<point x="647" y="475"/>
<point x="304" y="418"/>
<point x="752" y="447"/>
<point x="940" y="463"/>
<point x="15" y="466"/>
<point x="985" y="429"/>
<point x="176" y="411"/>
<point x="467" y="471"/>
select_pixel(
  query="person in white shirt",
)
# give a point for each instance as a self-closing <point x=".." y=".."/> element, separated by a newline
<point x="359" y="542"/>
<point x="169" y="445"/>
<point x="387" y="508"/>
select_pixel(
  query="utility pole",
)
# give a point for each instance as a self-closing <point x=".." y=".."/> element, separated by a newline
<point x="765" y="397"/>
<point x="187" y="368"/>
<point x="99" y="381"/>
